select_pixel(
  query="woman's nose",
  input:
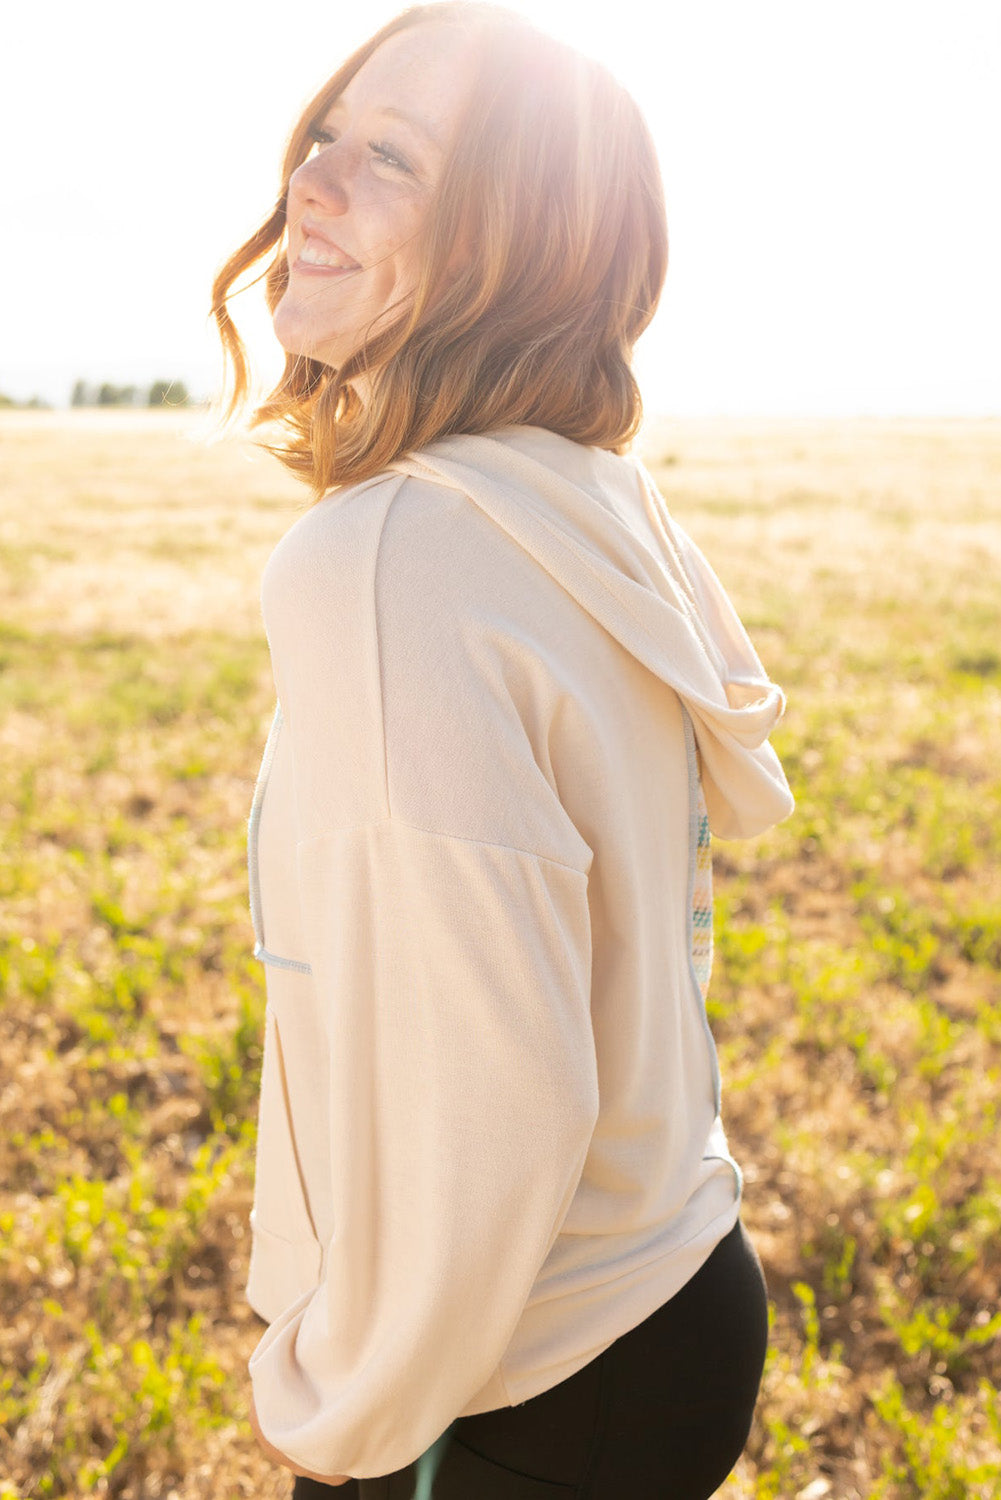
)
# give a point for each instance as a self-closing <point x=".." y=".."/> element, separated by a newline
<point x="323" y="180"/>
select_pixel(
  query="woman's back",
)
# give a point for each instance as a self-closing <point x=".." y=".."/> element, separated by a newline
<point x="499" y="1088"/>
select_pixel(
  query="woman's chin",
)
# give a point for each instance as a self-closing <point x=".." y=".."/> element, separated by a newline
<point x="299" y="339"/>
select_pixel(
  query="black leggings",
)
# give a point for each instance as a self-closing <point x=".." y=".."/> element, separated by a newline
<point x="662" y="1414"/>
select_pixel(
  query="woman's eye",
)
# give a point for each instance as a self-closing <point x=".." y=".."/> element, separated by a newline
<point x="390" y="157"/>
<point x="319" y="137"/>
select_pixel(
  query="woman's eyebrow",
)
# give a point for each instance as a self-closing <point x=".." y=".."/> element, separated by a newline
<point x="421" y="126"/>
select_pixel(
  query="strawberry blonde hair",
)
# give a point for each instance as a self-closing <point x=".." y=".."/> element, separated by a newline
<point x="553" y="186"/>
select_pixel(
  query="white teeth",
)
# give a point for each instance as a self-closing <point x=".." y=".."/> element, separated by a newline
<point x="314" y="256"/>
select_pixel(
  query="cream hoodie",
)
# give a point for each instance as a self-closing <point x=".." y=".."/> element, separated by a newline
<point x="489" y="1135"/>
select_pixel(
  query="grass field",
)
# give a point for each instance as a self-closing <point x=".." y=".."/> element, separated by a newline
<point x="856" y="997"/>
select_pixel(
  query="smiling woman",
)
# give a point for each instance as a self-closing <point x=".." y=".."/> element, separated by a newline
<point x="356" y="204"/>
<point x="518" y="299"/>
<point x="496" y="1230"/>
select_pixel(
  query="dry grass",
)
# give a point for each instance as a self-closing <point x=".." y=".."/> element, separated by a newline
<point x="856" y="997"/>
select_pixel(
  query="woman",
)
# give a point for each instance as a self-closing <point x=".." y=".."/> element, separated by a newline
<point x="496" y="1233"/>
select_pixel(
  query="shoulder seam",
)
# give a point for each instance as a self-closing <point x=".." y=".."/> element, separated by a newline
<point x="402" y="478"/>
<point x="438" y="833"/>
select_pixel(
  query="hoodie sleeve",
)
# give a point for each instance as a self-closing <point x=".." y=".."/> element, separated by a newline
<point x="451" y="966"/>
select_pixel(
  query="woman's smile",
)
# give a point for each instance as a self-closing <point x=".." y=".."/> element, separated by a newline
<point x="318" y="254"/>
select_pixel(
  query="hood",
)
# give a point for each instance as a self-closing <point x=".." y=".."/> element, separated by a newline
<point x="598" y="524"/>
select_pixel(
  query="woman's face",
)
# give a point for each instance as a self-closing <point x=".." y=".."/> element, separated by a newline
<point x="357" y="202"/>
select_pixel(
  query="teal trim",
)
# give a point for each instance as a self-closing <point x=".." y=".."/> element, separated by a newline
<point x="428" y="1465"/>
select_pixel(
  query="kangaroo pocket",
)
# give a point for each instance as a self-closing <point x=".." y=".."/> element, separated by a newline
<point x="286" y="1255"/>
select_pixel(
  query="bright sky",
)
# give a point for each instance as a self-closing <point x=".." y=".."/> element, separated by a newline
<point x="830" y="169"/>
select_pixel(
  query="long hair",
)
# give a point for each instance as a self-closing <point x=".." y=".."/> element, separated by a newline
<point x="552" y="187"/>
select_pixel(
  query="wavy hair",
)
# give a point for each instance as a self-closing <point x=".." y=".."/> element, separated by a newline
<point x="553" y="187"/>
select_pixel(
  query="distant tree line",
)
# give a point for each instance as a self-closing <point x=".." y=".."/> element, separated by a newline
<point x="35" y="403"/>
<point x="160" y="393"/>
